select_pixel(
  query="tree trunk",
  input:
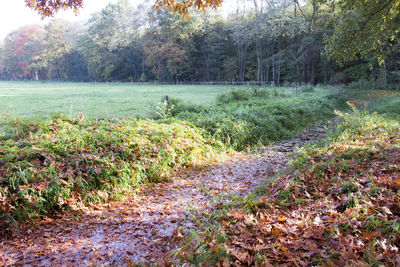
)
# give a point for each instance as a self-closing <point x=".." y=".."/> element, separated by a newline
<point x="258" y="44"/>
<point x="384" y="72"/>
<point x="278" y="79"/>
<point x="279" y="64"/>
<point x="242" y="50"/>
<point x="259" y="60"/>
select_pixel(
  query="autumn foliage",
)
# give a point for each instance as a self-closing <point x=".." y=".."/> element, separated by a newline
<point x="47" y="8"/>
<point x="24" y="48"/>
<point x="182" y="7"/>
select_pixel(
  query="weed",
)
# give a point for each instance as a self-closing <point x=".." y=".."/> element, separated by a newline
<point x="233" y="96"/>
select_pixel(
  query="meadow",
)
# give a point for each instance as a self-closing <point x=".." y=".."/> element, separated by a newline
<point x="100" y="100"/>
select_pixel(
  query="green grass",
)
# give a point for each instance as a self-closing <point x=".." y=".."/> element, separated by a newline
<point x="243" y="119"/>
<point x="387" y="105"/>
<point x="101" y="100"/>
<point x="104" y="100"/>
<point x="49" y="165"/>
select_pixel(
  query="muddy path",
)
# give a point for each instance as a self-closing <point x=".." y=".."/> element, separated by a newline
<point x="145" y="227"/>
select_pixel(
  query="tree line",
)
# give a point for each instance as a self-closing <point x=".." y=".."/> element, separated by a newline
<point x="274" y="41"/>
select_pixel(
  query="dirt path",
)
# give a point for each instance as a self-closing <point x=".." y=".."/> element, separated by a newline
<point x="145" y="226"/>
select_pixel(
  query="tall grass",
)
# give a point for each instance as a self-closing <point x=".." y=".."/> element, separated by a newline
<point x="46" y="165"/>
<point x="243" y="119"/>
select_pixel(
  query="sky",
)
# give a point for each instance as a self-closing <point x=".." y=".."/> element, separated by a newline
<point x="14" y="13"/>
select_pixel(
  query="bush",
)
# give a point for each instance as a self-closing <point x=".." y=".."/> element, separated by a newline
<point x="172" y="107"/>
<point x="388" y="105"/>
<point x="338" y="79"/>
<point x="233" y="96"/>
<point x="307" y="89"/>
<point x="364" y="84"/>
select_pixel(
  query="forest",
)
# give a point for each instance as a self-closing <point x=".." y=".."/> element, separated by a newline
<point x="274" y="41"/>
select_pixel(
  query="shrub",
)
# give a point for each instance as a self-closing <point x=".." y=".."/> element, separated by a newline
<point x="307" y="89"/>
<point x="338" y="79"/>
<point x="388" y="105"/>
<point x="172" y="107"/>
<point x="233" y="96"/>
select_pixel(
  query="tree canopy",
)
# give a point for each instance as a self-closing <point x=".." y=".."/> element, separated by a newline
<point x="47" y="8"/>
<point x="364" y="29"/>
<point x="275" y="41"/>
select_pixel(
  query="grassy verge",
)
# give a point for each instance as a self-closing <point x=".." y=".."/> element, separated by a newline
<point x="243" y="119"/>
<point x="48" y="165"/>
<point x="338" y="205"/>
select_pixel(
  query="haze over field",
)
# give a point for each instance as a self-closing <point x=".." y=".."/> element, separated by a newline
<point x="14" y="14"/>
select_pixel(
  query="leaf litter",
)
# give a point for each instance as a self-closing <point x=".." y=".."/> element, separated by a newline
<point x="337" y="206"/>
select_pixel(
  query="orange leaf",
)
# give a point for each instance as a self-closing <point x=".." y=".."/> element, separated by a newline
<point x="282" y="219"/>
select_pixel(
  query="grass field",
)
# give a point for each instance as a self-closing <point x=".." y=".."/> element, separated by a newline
<point x="101" y="100"/>
<point x="108" y="100"/>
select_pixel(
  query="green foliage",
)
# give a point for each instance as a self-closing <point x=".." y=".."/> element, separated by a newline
<point x="243" y="120"/>
<point x="166" y="109"/>
<point x="233" y="96"/>
<point x="388" y="105"/>
<point x="47" y="165"/>
<point x="338" y="79"/>
<point x="364" y="29"/>
<point x="265" y="44"/>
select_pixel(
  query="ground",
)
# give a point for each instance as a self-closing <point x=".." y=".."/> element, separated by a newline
<point x="147" y="226"/>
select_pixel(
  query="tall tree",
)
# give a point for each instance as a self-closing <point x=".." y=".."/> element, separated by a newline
<point x="19" y="51"/>
<point x="56" y="48"/>
<point x="365" y="29"/>
<point x="110" y="33"/>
